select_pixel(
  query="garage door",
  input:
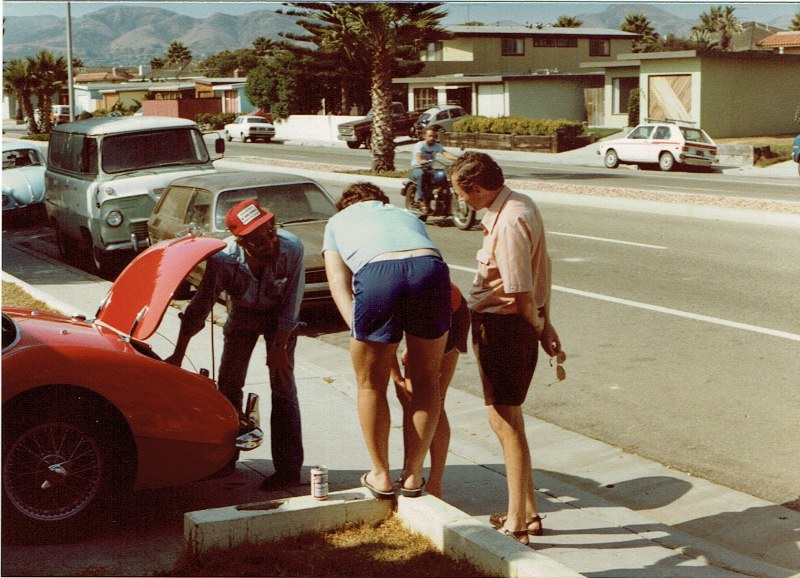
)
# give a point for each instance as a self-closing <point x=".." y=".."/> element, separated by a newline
<point x="670" y="96"/>
<point x="491" y="100"/>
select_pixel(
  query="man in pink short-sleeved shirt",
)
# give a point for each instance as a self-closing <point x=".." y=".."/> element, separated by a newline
<point x="510" y="303"/>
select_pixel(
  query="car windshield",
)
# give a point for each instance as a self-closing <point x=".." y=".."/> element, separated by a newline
<point x="146" y="150"/>
<point x="21" y="158"/>
<point x="694" y="135"/>
<point x="295" y="202"/>
<point x="257" y="120"/>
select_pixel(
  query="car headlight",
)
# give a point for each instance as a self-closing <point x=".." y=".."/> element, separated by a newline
<point x="114" y="219"/>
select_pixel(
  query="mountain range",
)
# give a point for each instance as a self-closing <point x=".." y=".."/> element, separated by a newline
<point x="130" y="36"/>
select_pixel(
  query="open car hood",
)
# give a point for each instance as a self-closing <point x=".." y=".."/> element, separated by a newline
<point x="139" y="297"/>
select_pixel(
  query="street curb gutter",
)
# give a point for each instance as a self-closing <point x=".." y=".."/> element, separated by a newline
<point x="454" y="532"/>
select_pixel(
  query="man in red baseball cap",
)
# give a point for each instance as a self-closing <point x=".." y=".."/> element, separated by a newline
<point x="261" y="270"/>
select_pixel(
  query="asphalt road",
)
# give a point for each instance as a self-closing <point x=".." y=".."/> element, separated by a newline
<point x="583" y="170"/>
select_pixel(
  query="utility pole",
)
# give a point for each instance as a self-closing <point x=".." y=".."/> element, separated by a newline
<point x="70" y="86"/>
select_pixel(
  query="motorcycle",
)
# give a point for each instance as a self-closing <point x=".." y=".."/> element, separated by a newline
<point x="442" y="200"/>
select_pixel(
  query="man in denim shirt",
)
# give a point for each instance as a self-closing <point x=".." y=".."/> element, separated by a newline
<point x="262" y="272"/>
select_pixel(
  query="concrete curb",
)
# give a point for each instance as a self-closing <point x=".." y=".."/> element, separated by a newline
<point x="452" y="531"/>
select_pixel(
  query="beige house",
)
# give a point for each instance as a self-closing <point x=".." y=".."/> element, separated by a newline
<point x="729" y="94"/>
<point x="589" y="74"/>
<point x="509" y="70"/>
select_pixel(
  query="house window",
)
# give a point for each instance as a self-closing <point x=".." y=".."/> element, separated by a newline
<point x="425" y="98"/>
<point x="567" y="42"/>
<point x="513" y="46"/>
<point x="622" y="92"/>
<point x="433" y="52"/>
<point x="599" y="47"/>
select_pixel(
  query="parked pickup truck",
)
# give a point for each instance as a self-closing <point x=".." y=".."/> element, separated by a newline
<point x="359" y="132"/>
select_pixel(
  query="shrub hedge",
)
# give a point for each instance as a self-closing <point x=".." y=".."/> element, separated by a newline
<point x="518" y="125"/>
<point x="215" y="121"/>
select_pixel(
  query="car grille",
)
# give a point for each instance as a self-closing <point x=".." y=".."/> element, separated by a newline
<point x="140" y="230"/>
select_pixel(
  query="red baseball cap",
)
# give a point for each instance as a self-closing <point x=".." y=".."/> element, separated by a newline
<point x="245" y="217"/>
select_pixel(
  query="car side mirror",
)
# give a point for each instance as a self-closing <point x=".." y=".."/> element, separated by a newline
<point x="219" y="145"/>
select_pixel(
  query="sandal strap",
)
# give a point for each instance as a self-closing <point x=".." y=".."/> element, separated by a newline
<point x="520" y="536"/>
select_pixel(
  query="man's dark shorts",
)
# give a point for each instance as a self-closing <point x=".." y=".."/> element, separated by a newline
<point x="507" y="348"/>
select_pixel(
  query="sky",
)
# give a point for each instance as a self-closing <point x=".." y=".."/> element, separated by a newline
<point x="485" y="11"/>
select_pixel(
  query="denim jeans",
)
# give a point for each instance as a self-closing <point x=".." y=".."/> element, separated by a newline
<point x="242" y="330"/>
<point x="423" y="180"/>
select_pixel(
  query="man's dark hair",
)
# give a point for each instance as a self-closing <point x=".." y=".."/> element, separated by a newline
<point x="362" y="191"/>
<point x="473" y="168"/>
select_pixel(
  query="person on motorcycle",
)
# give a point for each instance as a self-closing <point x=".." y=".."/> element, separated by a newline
<point x="422" y="156"/>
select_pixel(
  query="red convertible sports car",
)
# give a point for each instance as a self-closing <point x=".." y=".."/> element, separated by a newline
<point x="90" y="412"/>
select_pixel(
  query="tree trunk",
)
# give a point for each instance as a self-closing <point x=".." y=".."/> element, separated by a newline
<point x="382" y="133"/>
<point x="45" y="108"/>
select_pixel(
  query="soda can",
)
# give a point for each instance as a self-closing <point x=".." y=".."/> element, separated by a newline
<point x="319" y="482"/>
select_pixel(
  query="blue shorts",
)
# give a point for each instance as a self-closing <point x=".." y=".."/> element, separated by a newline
<point x="411" y="295"/>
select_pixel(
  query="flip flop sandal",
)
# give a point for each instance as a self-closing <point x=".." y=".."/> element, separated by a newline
<point x="498" y="521"/>
<point x="375" y="491"/>
<point x="405" y="492"/>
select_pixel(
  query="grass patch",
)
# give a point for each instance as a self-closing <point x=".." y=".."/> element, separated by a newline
<point x="383" y="548"/>
<point x="16" y="296"/>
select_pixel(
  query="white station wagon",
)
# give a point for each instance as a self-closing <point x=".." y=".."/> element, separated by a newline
<point x="249" y="127"/>
<point x="665" y="143"/>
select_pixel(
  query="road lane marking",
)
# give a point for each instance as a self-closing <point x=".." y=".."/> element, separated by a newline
<point x="666" y="310"/>
<point x="605" y="240"/>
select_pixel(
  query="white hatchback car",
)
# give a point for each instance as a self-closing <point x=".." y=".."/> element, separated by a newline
<point x="665" y="143"/>
<point x="249" y="127"/>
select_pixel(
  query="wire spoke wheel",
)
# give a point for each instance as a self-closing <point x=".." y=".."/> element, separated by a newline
<point x="53" y="471"/>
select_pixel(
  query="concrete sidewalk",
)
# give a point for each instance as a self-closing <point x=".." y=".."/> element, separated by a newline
<point x="608" y="513"/>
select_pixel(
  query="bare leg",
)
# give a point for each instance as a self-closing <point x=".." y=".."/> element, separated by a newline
<point x="507" y="422"/>
<point x="441" y="437"/>
<point x="425" y="360"/>
<point x="372" y="363"/>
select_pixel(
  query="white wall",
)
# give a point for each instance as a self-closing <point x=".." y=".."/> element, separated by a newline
<point x="310" y="127"/>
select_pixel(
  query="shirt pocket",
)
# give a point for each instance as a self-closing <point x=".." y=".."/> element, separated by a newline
<point x="485" y="260"/>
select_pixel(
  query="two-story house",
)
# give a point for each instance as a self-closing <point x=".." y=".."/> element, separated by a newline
<point x="516" y="70"/>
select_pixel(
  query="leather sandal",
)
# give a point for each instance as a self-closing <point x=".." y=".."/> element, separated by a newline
<point x="520" y="536"/>
<point x="498" y="521"/>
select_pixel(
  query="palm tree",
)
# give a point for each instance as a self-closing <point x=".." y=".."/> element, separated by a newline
<point x="795" y="22"/>
<point x="16" y="81"/>
<point x="567" y="22"/>
<point x="263" y="46"/>
<point x="381" y="34"/>
<point x="639" y="24"/>
<point x="48" y="76"/>
<point x="728" y="25"/>
<point x="720" y="23"/>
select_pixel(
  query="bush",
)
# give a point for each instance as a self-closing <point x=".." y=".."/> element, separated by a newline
<point x="519" y="125"/>
<point x="215" y="121"/>
<point x="633" y="107"/>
